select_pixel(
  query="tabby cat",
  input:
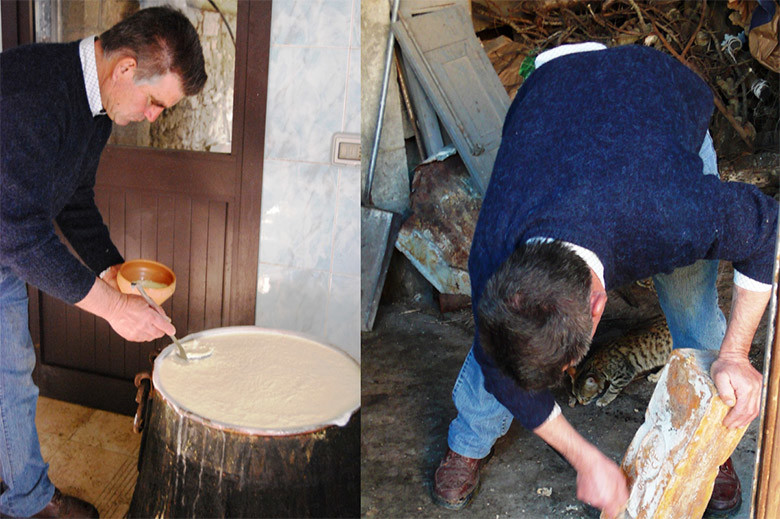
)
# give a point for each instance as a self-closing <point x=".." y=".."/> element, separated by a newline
<point x="617" y="363"/>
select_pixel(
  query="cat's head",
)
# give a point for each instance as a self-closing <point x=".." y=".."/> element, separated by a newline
<point x="587" y="383"/>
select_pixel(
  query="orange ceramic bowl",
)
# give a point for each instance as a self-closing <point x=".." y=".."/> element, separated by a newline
<point x="162" y="279"/>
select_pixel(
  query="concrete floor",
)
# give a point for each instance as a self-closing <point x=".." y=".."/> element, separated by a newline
<point x="410" y="362"/>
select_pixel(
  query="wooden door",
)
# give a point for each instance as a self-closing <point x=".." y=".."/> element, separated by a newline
<point x="197" y="212"/>
<point x="453" y="69"/>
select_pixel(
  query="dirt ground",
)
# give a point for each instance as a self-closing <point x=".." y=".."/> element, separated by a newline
<point x="410" y="362"/>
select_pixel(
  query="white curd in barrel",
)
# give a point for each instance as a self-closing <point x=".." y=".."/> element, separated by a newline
<point x="261" y="379"/>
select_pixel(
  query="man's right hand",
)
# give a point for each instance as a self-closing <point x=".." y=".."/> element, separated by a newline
<point x="129" y="315"/>
<point x="600" y="482"/>
<point x="135" y="320"/>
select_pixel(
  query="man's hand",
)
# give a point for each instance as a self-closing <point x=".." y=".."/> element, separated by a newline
<point x="600" y="482"/>
<point x="737" y="381"/>
<point x="129" y="315"/>
<point x="739" y="386"/>
<point x="135" y="320"/>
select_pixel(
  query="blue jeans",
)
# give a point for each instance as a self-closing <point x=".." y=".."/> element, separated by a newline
<point x="689" y="300"/>
<point x="26" y="488"/>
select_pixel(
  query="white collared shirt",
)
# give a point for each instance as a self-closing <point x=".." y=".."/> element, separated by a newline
<point x="89" y="67"/>
<point x="588" y="256"/>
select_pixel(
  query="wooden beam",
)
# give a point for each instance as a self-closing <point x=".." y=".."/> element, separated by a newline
<point x="766" y="501"/>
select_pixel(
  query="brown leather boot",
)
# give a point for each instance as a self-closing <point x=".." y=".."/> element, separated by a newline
<point x="456" y="480"/>
<point x="62" y="505"/>
<point x="726" y="494"/>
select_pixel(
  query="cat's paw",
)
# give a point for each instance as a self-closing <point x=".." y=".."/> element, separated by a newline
<point x="653" y="377"/>
<point x="604" y="401"/>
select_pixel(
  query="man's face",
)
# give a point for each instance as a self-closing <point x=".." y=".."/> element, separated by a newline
<point x="129" y="101"/>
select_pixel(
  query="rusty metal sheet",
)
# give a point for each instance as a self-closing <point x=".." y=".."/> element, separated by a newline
<point x="436" y="238"/>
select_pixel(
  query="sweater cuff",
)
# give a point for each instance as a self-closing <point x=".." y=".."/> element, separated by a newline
<point x="556" y="411"/>
<point x="742" y="281"/>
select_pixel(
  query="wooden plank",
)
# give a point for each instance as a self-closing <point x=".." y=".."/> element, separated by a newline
<point x="215" y="264"/>
<point x="181" y="264"/>
<point x="54" y="323"/>
<point x="427" y="121"/>
<point x="249" y="121"/>
<point x="198" y="265"/>
<point x="133" y="245"/>
<point x="116" y="219"/>
<point x="169" y="171"/>
<point x="766" y="496"/>
<point x="460" y="82"/>
<point x="89" y="389"/>
<point x="71" y="351"/>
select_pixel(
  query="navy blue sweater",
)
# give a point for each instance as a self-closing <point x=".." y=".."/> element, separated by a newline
<point x="600" y="149"/>
<point x="50" y="146"/>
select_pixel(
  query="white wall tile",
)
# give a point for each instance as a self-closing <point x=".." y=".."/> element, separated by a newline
<point x="311" y="22"/>
<point x="346" y="231"/>
<point x="308" y="278"/>
<point x="355" y="41"/>
<point x="306" y="90"/>
<point x="298" y="212"/>
<point x="352" y="111"/>
<point x="343" y="329"/>
<point x="292" y="299"/>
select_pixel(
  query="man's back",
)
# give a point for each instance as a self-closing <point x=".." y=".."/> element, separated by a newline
<point x="601" y="149"/>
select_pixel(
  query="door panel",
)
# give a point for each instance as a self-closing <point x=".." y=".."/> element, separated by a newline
<point x="186" y="234"/>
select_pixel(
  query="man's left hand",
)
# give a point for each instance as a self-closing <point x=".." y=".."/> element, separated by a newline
<point x="739" y="386"/>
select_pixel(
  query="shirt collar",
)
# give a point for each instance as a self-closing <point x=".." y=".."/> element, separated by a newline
<point x="89" y="67"/>
<point x="588" y="256"/>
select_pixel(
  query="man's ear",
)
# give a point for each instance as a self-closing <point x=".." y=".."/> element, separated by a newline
<point x="125" y="66"/>
<point x="598" y="300"/>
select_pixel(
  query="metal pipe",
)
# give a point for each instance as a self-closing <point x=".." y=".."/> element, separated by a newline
<point x="382" y="102"/>
<point x="409" y="107"/>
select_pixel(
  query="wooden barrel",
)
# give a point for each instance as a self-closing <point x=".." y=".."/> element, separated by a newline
<point x="192" y="465"/>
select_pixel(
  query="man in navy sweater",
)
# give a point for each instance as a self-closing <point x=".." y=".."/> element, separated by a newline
<point x="57" y="103"/>
<point x="606" y="175"/>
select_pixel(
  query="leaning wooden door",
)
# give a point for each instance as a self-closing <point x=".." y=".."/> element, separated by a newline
<point x="197" y="212"/>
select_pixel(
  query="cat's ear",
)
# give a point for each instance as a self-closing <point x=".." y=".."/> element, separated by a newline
<point x="591" y="383"/>
<point x="572" y="372"/>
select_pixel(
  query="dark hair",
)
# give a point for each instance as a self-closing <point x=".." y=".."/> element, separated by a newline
<point x="161" y="40"/>
<point x="534" y="314"/>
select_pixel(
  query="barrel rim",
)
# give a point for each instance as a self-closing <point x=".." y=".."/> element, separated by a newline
<point x="180" y="409"/>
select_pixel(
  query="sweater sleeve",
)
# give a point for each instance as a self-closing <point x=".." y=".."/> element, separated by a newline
<point x="29" y="141"/>
<point x="530" y="408"/>
<point x="747" y="230"/>
<point x="81" y="223"/>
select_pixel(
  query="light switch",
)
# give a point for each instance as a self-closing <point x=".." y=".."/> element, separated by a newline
<point x="345" y="149"/>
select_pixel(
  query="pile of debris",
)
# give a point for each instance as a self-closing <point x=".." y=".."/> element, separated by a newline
<point x="710" y="38"/>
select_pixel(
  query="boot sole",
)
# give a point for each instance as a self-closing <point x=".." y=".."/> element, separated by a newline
<point x="719" y="514"/>
<point x="456" y="506"/>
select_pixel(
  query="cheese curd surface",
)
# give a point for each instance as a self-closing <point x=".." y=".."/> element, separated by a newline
<point x="261" y="379"/>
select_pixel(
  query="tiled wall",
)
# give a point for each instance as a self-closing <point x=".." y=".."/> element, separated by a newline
<point x="309" y="271"/>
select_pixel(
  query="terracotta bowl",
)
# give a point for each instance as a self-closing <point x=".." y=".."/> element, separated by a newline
<point x="147" y="270"/>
